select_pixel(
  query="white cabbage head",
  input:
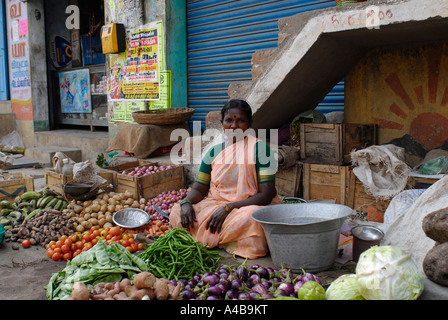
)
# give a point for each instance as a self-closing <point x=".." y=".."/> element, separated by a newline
<point x="388" y="273"/>
<point x="344" y="288"/>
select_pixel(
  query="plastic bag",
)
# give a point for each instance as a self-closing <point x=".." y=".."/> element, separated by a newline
<point x="434" y="166"/>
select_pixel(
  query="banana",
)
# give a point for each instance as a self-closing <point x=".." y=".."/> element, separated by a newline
<point x="5" y="204"/>
<point x="64" y="205"/>
<point x="18" y="199"/>
<point x="51" y="203"/>
<point x="39" y="201"/>
<point x="45" y="201"/>
<point x="29" y="195"/>
<point x="58" y="205"/>
<point x="24" y="204"/>
<point x="5" y="211"/>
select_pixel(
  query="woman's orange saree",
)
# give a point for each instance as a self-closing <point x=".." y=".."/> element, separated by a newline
<point x="231" y="180"/>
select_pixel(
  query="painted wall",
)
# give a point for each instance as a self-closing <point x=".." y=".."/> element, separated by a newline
<point x="404" y="91"/>
<point x="27" y="73"/>
<point x="134" y="13"/>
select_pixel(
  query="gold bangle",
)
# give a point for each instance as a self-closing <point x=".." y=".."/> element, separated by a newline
<point x="227" y="208"/>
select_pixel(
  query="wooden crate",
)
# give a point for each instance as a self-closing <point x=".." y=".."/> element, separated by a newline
<point x="55" y="180"/>
<point x="339" y="184"/>
<point x="325" y="182"/>
<point x="359" y="200"/>
<point x="10" y="189"/>
<point x="331" y="143"/>
<point x="113" y="170"/>
<point x="151" y="185"/>
<point x="288" y="181"/>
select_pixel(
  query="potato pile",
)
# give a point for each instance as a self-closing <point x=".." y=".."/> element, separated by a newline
<point x="99" y="211"/>
<point x="144" y="286"/>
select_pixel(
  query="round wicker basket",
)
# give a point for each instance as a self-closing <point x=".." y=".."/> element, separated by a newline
<point x="163" y="116"/>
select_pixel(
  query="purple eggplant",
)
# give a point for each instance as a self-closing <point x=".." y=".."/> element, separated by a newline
<point x="243" y="296"/>
<point x="213" y="298"/>
<point x="287" y="287"/>
<point x="214" y="290"/>
<point x="266" y="283"/>
<point x="253" y="280"/>
<point x="259" y="288"/>
<point x="231" y="294"/>
<point x="187" y="295"/>
<point x="236" y="284"/>
<point x="254" y="296"/>
<point x="210" y="279"/>
<point x="262" y="272"/>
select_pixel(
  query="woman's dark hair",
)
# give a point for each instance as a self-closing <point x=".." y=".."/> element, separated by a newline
<point x="237" y="104"/>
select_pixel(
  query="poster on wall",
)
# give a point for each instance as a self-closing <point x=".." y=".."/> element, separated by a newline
<point x="135" y="74"/>
<point x="19" y="60"/>
<point x="75" y="91"/>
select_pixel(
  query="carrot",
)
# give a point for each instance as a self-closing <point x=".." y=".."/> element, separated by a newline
<point x="164" y="228"/>
<point x="159" y="223"/>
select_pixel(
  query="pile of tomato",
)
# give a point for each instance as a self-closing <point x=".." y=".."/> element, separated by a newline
<point x="68" y="247"/>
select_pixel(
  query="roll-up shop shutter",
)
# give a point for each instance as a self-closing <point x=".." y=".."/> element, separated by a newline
<point x="222" y="35"/>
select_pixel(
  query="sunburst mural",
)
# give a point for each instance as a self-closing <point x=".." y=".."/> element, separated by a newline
<point x="406" y="94"/>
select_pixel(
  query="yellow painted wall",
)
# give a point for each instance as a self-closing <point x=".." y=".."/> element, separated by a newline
<point x="404" y="91"/>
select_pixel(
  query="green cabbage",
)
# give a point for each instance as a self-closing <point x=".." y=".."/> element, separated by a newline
<point x="344" y="288"/>
<point x="388" y="273"/>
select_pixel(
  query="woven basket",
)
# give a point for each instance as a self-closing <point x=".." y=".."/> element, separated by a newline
<point x="344" y="2"/>
<point x="163" y="116"/>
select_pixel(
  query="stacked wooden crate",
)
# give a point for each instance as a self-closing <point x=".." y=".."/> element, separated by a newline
<point x="147" y="186"/>
<point x="327" y="171"/>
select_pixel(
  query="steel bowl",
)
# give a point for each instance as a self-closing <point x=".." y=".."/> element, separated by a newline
<point x="131" y="217"/>
<point x="73" y="188"/>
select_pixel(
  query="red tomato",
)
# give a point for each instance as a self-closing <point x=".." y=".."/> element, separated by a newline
<point x="56" y="256"/>
<point x="63" y="238"/>
<point x="134" y="247"/>
<point x="79" y="245"/>
<point x="26" y="243"/>
<point x="86" y="236"/>
<point x="125" y="243"/>
<point x="129" y="249"/>
<point x="49" y="253"/>
<point x="68" y="242"/>
<point x="94" y="241"/>
<point x="51" y="243"/>
<point x="67" y="256"/>
<point x="58" y="244"/>
<point x="141" y="246"/>
<point x="95" y="233"/>
<point x="115" y="238"/>
<point x="115" y="231"/>
<point x="57" y="250"/>
<point x="65" y="248"/>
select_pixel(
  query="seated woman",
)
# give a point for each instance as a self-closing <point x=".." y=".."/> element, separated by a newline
<point x="232" y="183"/>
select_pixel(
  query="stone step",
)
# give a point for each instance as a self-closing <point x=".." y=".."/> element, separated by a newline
<point x="44" y="155"/>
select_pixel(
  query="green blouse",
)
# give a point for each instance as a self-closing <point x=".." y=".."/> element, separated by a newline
<point x="264" y="171"/>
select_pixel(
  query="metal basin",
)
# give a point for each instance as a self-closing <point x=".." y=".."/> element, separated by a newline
<point x="303" y="235"/>
<point x="130" y="217"/>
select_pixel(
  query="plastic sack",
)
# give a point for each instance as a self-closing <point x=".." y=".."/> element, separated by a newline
<point x="434" y="166"/>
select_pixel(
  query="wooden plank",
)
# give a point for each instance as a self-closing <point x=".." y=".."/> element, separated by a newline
<point x="10" y="189"/>
<point x="288" y="181"/>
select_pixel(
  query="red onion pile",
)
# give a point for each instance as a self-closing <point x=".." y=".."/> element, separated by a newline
<point x="165" y="202"/>
<point x="145" y="170"/>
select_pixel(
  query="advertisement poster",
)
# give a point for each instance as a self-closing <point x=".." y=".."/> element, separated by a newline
<point x="75" y="91"/>
<point x="135" y="75"/>
<point x="19" y="66"/>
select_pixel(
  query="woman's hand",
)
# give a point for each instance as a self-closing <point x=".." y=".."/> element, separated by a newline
<point x="216" y="220"/>
<point x="187" y="215"/>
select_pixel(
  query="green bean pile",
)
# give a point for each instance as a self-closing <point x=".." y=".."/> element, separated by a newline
<point x="177" y="255"/>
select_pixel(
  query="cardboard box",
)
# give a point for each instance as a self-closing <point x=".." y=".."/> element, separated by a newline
<point x="331" y="143"/>
<point x="151" y="185"/>
<point x="10" y="189"/>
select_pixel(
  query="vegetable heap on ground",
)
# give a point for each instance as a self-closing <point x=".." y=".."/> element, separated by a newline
<point x="239" y="282"/>
<point x="177" y="254"/>
<point x="102" y="263"/>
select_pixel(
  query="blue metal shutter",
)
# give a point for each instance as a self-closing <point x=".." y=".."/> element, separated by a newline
<point x="4" y="84"/>
<point x="222" y="35"/>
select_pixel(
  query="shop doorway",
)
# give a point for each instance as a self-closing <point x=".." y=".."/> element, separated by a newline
<point x="76" y="64"/>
